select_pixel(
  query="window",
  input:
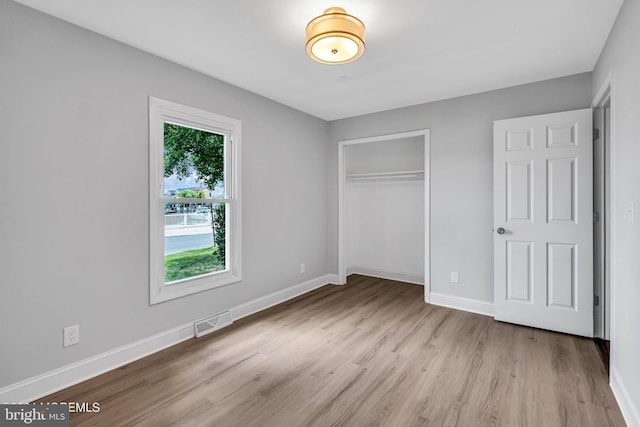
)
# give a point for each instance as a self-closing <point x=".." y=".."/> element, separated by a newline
<point x="194" y="200"/>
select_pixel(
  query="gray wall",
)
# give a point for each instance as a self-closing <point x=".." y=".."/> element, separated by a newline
<point x="461" y="171"/>
<point x="622" y="52"/>
<point x="74" y="206"/>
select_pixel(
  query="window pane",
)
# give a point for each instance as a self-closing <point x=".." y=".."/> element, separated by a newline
<point x="193" y="163"/>
<point x="194" y="239"/>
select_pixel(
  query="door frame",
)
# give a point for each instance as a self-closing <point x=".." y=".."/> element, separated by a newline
<point x="342" y="183"/>
<point x="604" y="96"/>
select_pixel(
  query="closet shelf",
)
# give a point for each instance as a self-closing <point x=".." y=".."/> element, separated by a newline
<point x="387" y="176"/>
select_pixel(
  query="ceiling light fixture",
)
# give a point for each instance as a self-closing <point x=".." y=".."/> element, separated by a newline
<point x="335" y="37"/>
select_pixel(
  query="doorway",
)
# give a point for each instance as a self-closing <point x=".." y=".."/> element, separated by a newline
<point x="604" y="259"/>
<point x="601" y="220"/>
<point x="386" y="165"/>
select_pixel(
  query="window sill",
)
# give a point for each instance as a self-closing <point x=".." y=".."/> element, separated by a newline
<point x="166" y="292"/>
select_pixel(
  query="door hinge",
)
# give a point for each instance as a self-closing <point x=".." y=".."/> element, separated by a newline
<point x="596" y="134"/>
<point x="596" y="300"/>
<point x="596" y="217"/>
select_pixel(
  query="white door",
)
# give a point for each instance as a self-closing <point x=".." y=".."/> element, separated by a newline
<point x="543" y="216"/>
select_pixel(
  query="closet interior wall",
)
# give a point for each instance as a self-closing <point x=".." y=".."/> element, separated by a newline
<point x="384" y="212"/>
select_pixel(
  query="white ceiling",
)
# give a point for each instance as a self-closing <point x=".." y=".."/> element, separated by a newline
<point x="416" y="50"/>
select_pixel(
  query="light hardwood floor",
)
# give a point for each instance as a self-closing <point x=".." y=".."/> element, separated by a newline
<point x="368" y="353"/>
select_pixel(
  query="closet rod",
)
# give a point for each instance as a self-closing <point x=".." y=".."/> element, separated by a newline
<point x="386" y="175"/>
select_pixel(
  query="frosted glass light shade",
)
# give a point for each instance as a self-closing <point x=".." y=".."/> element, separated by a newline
<point x="335" y="37"/>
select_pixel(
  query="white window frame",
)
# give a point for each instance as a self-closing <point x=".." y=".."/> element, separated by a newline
<point x="161" y="111"/>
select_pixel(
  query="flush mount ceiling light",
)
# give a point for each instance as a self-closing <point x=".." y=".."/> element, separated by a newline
<point x="335" y="37"/>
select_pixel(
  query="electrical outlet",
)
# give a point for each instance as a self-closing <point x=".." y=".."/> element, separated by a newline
<point x="71" y="335"/>
<point x="455" y="278"/>
<point x="303" y="268"/>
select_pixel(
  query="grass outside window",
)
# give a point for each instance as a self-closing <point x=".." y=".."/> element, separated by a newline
<point x="192" y="263"/>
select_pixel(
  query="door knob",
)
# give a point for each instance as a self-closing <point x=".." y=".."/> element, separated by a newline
<point x="500" y="230"/>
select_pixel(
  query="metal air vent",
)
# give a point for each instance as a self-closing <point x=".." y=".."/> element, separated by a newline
<point x="213" y="323"/>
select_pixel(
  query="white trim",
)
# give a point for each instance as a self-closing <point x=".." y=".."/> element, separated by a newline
<point x="161" y="111"/>
<point x="604" y="92"/>
<point x="612" y="209"/>
<point x="630" y="412"/>
<point x="464" y="304"/>
<point x="630" y="409"/>
<point x="342" y="182"/>
<point x="389" y="275"/>
<point x="599" y="205"/>
<point x="262" y="303"/>
<point x="427" y="216"/>
<point x="42" y="385"/>
<point x="386" y="137"/>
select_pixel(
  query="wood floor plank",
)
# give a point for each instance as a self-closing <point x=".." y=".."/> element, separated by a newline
<point x="370" y="353"/>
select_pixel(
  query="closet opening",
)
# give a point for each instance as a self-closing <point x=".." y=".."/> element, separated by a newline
<point x="383" y="208"/>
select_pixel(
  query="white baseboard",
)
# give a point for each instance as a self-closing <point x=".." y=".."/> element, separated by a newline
<point x="460" y="303"/>
<point x="400" y="277"/>
<point x="278" y="297"/>
<point x="42" y="385"/>
<point x="630" y="410"/>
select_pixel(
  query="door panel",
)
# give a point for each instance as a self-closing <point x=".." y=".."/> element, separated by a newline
<point x="543" y="201"/>
<point x="519" y="263"/>
<point x="562" y="193"/>
<point x="561" y="263"/>
<point x="519" y="191"/>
